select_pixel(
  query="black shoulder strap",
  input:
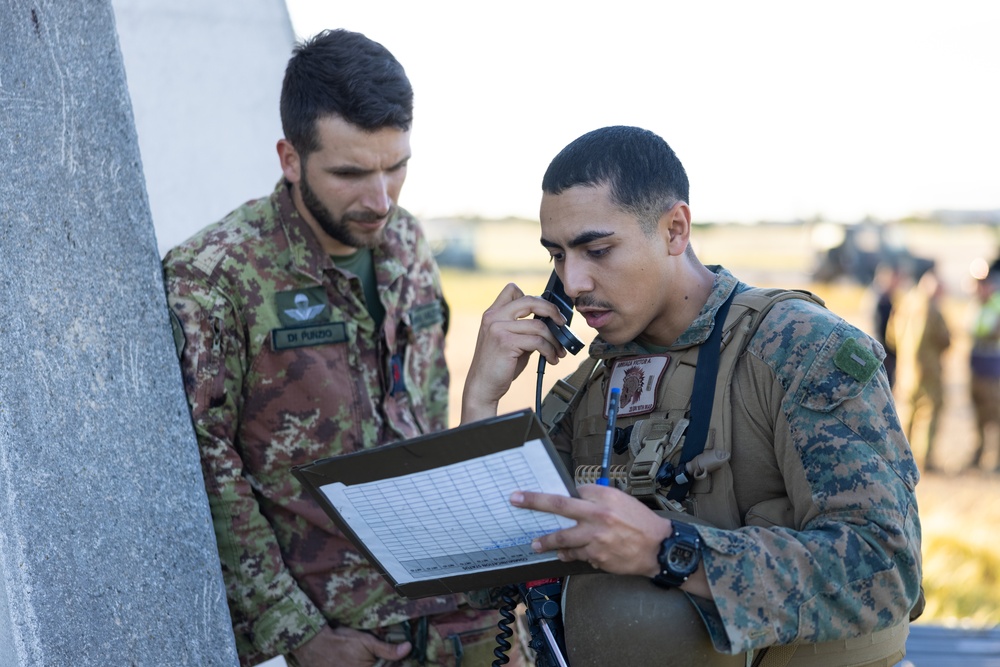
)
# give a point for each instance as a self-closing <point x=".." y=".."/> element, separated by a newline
<point x="702" y="397"/>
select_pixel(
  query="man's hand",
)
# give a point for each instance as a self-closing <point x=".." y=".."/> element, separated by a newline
<point x="347" y="647"/>
<point x="614" y="532"/>
<point x="507" y="336"/>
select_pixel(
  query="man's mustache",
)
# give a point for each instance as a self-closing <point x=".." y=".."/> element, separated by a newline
<point x="368" y="216"/>
<point x="587" y="301"/>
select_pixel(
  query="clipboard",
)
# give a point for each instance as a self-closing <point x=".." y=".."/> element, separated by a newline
<point x="432" y="513"/>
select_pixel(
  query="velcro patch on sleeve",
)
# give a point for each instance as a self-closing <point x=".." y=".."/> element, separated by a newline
<point x="856" y="360"/>
<point x="427" y="315"/>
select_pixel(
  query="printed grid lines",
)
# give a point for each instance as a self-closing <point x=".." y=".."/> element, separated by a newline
<point x="456" y="518"/>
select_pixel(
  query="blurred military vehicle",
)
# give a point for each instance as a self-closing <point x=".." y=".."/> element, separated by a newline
<point x="854" y="251"/>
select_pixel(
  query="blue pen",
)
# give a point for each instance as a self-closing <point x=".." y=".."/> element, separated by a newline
<point x="609" y="437"/>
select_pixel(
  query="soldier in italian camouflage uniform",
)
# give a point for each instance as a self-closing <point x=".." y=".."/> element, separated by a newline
<point x="310" y="324"/>
<point x="822" y="541"/>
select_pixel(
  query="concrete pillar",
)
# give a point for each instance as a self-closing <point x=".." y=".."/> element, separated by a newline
<point x="107" y="555"/>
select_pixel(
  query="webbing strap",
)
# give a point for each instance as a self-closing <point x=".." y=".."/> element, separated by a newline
<point x="565" y="394"/>
<point x="877" y="649"/>
<point x="777" y="656"/>
<point x="702" y="398"/>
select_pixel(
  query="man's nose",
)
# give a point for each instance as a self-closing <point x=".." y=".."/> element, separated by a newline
<point x="376" y="197"/>
<point x="576" y="279"/>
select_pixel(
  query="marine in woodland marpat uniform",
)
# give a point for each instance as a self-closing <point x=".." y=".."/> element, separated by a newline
<point x="795" y="535"/>
<point x="311" y="323"/>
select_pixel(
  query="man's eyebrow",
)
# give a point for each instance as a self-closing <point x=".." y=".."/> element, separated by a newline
<point x="356" y="169"/>
<point x="580" y="239"/>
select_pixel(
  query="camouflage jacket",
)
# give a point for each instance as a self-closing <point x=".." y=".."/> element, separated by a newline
<point x="283" y="365"/>
<point x="848" y="561"/>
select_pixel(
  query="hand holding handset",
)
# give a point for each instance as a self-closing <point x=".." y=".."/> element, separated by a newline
<point x="555" y="293"/>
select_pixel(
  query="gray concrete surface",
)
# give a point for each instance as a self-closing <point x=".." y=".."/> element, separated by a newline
<point x="107" y="555"/>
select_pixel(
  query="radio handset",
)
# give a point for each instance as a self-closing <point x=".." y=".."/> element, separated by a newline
<point x="555" y="293"/>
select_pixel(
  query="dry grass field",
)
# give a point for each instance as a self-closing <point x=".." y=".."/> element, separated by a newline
<point x="960" y="510"/>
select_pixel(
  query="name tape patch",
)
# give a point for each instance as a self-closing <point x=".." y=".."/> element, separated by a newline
<point x="319" y="334"/>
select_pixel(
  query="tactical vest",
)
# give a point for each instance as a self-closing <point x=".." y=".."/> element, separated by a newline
<point x="656" y="439"/>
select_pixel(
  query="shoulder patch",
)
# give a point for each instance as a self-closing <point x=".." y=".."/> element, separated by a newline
<point x="856" y="360"/>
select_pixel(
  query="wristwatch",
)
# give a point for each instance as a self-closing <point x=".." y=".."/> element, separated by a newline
<point x="679" y="556"/>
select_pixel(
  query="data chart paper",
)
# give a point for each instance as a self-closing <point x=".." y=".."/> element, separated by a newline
<point x="434" y="513"/>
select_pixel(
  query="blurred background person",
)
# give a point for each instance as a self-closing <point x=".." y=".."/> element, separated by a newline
<point x="885" y="286"/>
<point x="984" y="361"/>
<point x="919" y="334"/>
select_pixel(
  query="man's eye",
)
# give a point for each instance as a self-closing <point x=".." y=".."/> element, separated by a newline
<point x="598" y="252"/>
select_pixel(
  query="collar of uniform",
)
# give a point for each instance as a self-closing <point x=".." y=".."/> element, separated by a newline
<point x="306" y="252"/>
<point x="696" y="334"/>
<point x="388" y="267"/>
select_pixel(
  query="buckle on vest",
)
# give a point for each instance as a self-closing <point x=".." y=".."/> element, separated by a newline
<point x="652" y="441"/>
<point x="555" y="405"/>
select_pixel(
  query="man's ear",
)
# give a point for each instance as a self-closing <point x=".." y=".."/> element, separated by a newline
<point x="675" y="226"/>
<point x="291" y="162"/>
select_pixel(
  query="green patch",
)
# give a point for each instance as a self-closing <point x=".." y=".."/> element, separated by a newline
<point x="857" y="361"/>
<point x="320" y="334"/>
<point x="302" y="307"/>
<point x="426" y="315"/>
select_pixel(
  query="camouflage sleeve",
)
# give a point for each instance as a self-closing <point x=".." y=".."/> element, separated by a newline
<point x="270" y="612"/>
<point x="852" y="563"/>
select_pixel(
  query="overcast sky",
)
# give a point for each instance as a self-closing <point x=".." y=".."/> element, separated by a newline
<point x="779" y="110"/>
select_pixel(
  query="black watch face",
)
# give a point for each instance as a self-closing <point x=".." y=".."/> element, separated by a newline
<point x="682" y="558"/>
<point x="679" y="556"/>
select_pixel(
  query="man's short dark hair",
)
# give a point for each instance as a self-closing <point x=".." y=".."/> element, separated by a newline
<point x="345" y="74"/>
<point x="644" y="174"/>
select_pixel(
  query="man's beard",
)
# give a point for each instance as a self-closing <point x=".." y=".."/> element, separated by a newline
<point x="338" y="228"/>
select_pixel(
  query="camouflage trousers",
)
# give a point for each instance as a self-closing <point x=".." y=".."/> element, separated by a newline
<point x="446" y="640"/>
<point x="985" y="394"/>
<point x="920" y="415"/>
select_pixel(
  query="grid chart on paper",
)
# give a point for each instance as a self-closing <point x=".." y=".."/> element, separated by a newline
<point x="456" y="519"/>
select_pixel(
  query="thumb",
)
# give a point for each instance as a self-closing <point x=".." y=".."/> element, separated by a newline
<point x="389" y="651"/>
